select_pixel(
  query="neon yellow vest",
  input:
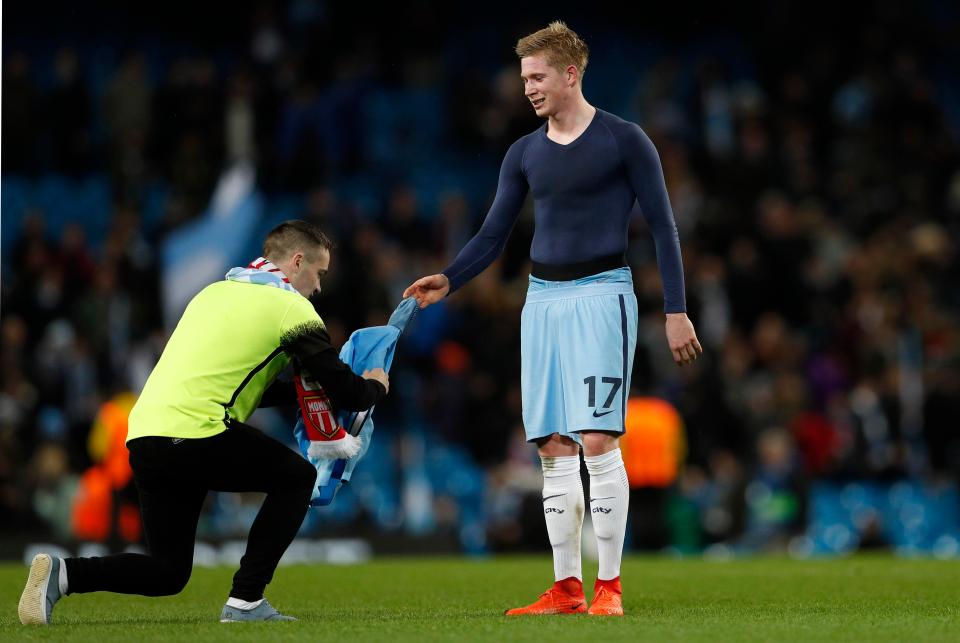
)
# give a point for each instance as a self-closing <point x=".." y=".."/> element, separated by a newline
<point x="222" y="356"/>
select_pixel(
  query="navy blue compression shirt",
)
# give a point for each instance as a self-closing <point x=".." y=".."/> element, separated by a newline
<point x="583" y="194"/>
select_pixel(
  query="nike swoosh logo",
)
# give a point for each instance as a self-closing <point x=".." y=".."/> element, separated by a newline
<point x="600" y="415"/>
<point x="604" y="498"/>
<point x="556" y="496"/>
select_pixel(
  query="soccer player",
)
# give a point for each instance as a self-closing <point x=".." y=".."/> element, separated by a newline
<point x="187" y="435"/>
<point x="585" y="168"/>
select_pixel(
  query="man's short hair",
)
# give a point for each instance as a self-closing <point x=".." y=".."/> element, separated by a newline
<point x="291" y="236"/>
<point x="561" y="45"/>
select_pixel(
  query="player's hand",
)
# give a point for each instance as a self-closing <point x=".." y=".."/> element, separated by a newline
<point x="378" y="374"/>
<point x="682" y="339"/>
<point x="428" y="290"/>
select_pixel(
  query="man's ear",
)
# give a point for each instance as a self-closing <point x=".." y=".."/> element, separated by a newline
<point x="297" y="259"/>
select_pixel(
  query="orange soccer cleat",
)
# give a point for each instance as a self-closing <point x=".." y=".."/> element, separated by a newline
<point x="565" y="597"/>
<point x="607" y="598"/>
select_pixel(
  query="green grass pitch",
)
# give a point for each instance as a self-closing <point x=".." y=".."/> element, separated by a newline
<point x="444" y="599"/>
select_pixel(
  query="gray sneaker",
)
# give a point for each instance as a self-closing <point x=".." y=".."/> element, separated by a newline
<point x="262" y="612"/>
<point x="42" y="591"/>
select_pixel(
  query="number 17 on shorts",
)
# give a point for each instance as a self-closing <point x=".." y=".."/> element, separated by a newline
<point x="577" y="355"/>
<point x="615" y="383"/>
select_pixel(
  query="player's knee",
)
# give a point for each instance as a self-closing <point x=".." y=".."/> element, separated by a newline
<point x="597" y="442"/>
<point x="557" y="445"/>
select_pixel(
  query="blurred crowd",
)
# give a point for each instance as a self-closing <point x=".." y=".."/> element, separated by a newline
<point x="815" y="185"/>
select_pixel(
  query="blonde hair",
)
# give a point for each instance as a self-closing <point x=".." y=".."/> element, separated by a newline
<point x="562" y="46"/>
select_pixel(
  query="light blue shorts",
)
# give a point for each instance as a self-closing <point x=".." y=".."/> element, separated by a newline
<point x="577" y="340"/>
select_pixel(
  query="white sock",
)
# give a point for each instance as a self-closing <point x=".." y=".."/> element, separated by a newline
<point x="242" y="605"/>
<point x="62" y="577"/>
<point x="563" y="512"/>
<point x="609" y="500"/>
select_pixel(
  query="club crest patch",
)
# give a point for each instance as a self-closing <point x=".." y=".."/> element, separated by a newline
<point x="319" y="414"/>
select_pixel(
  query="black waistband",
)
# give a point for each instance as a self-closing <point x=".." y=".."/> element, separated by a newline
<point x="570" y="271"/>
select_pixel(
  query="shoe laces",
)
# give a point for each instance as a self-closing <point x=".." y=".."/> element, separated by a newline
<point x="604" y="592"/>
<point x="550" y="592"/>
<point x="558" y="594"/>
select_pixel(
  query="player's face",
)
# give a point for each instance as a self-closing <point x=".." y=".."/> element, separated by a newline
<point x="305" y="275"/>
<point x="544" y="86"/>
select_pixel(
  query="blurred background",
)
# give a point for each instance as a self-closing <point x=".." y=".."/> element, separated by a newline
<point x="811" y="153"/>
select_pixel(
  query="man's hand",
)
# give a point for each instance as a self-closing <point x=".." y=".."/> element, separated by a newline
<point x="682" y="339"/>
<point x="380" y="375"/>
<point x="428" y="290"/>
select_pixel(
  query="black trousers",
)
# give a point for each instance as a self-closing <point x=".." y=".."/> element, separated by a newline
<point x="172" y="479"/>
